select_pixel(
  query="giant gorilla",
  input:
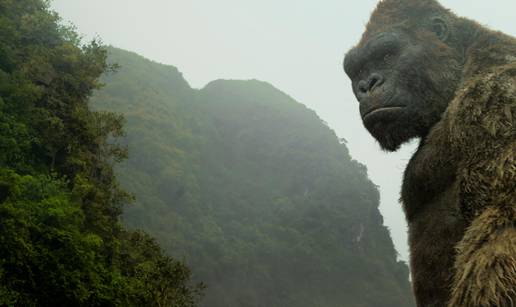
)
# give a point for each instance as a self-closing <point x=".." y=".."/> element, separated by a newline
<point x="420" y="71"/>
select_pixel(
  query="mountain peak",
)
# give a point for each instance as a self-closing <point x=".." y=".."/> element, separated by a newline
<point x="255" y="192"/>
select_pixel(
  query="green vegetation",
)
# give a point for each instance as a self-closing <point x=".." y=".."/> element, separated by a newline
<point x="246" y="185"/>
<point x="252" y="190"/>
<point x="60" y="236"/>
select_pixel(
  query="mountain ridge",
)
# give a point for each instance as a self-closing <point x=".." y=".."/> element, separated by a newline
<point x="253" y="190"/>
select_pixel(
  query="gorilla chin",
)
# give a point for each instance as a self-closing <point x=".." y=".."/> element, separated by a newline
<point x="389" y="127"/>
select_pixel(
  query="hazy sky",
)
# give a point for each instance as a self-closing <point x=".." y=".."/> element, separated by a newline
<point x="297" y="45"/>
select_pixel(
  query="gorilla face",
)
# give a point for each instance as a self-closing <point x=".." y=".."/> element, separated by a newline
<point x="398" y="81"/>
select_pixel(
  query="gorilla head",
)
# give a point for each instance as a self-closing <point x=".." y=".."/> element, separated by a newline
<point x="406" y="69"/>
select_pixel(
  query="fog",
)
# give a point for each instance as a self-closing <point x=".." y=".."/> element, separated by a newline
<point x="298" y="46"/>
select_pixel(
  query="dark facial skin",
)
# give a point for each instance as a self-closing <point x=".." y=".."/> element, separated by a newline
<point x="400" y="98"/>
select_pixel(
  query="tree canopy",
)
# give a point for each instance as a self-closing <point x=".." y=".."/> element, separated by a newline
<point x="60" y="203"/>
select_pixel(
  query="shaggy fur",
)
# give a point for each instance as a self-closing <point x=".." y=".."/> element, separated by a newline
<point x="459" y="189"/>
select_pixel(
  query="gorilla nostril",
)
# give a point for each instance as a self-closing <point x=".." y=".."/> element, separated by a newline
<point x="372" y="83"/>
<point x="374" y="80"/>
<point x="363" y="87"/>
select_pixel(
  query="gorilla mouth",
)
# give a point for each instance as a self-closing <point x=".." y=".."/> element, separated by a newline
<point x="380" y="110"/>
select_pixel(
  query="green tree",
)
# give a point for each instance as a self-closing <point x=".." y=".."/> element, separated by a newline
<point x="60" y="203"/>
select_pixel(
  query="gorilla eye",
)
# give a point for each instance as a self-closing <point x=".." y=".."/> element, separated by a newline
<point x="384" y="50"/>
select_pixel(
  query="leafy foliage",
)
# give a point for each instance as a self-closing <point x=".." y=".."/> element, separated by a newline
<point x="253" y="190"/>
<point x="62" y="243"/>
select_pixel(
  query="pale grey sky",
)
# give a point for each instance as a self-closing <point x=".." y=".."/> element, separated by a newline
<point x="297" y="45"/>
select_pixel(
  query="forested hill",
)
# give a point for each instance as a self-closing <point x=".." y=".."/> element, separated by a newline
<point x="61" y="241"/>
<point x="252" y="190"/>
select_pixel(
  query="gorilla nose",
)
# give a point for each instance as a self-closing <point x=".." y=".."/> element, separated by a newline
<point x="367" y="86"/>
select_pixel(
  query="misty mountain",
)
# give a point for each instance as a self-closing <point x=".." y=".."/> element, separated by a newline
<point x="252" y="190"/>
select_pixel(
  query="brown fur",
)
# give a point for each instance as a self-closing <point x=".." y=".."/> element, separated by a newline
<point x="459" y="189"/>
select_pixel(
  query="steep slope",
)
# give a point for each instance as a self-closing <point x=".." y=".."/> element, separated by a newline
<point x="62" y="243"/>
<point x="252" y="190"/>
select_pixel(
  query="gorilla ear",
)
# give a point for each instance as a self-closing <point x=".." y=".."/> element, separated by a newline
<point x="440" y="27"/>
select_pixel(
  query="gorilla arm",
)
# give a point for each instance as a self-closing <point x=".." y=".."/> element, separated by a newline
<point x="483" y="134"/>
